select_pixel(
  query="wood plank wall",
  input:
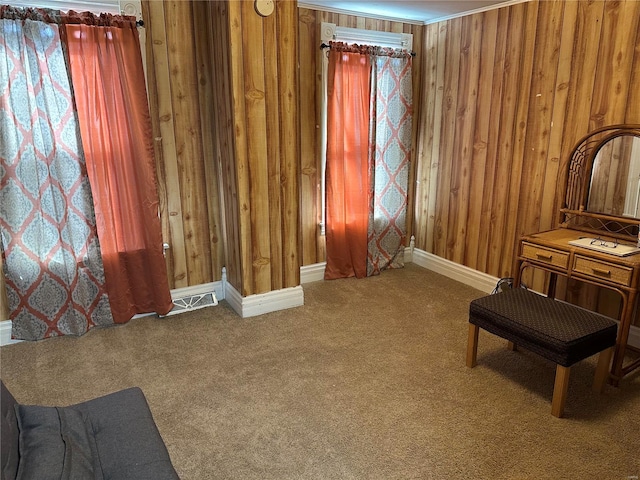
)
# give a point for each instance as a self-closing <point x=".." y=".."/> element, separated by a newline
<point x="181" y="102"/>
<point x="310" y="60"/>
<point x="257" y="102"/>
<point x="223" y="87"/>
<point x="506" y="94"/>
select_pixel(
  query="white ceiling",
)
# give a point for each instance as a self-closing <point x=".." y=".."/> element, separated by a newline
<point x="420" y="11"/>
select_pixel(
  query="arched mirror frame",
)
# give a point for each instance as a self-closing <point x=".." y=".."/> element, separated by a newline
<point x="578" y="180"/>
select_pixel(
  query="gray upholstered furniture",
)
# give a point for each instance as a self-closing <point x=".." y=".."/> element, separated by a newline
<point x="107" y="438"/>
<point x="557" y="331"/>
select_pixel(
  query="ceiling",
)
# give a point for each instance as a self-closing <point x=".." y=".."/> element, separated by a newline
<point x="421" y="11"/>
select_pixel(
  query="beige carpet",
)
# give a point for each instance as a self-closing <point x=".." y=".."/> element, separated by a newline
<point x="366" y="381"/>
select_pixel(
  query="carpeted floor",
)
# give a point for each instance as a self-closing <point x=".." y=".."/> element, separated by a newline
<point x="366" y="381"/>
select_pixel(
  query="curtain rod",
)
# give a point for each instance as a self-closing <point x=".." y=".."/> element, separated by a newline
<point x="326" y="45"/>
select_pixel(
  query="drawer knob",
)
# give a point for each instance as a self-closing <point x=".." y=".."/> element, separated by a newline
<point x="600" y="271"/>
<point x="542" y="256"/>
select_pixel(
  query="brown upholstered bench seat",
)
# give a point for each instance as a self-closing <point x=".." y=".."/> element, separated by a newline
<point x="557" y="331"/>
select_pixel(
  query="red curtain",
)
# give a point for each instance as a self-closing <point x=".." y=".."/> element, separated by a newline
<point x="348" y="171"/>
<point x="109" y="87"/>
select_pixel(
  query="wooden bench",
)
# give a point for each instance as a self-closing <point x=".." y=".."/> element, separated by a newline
<point x="555" y="330"/>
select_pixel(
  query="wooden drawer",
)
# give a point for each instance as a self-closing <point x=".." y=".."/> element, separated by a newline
<point x="546" y="255"/>
<point x="603" y="270"/>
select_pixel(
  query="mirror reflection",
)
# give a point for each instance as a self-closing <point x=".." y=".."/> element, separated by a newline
<point x="615" y="179"/>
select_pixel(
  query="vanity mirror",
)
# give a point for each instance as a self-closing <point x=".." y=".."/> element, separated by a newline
<point x="603" y="183"/>
<point x="615" y="178"/>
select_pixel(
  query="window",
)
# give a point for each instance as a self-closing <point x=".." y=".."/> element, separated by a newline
<point x="332" y="32"/>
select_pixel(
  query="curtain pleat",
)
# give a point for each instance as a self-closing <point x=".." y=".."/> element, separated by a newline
<point x="108" y="81"/>
<point x="53" y="270"/>
<point x="348" y="168"/>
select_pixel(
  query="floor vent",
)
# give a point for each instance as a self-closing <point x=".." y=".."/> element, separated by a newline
<point x="193" y="302"/>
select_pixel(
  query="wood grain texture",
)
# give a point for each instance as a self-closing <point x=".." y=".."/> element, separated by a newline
<point x="261" y="182"/>
<point x="549" y="72"/>
<point x="490" y="141"/>
<point x="224" y="132"/>
<point x="180" y="93"/>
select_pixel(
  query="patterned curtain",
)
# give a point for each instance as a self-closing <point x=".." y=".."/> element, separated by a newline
<point x="391" y="124"/>
<point x="53" y="269"/>
<point x="367" y="168"/>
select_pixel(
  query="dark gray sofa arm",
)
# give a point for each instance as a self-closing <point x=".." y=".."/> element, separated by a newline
<point x="124" y="442"/>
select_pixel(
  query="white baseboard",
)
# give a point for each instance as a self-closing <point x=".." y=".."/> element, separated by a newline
<point x="5" y="333"/>
<point x="264" y="302"/>
<point x="482" y="281"/>
<point x="312" y="273"/>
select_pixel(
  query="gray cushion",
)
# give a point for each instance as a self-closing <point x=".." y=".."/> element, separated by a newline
<point x="114" y="435"/>
<point x="128" y="445"/>
<point x="54" y="444"/>
<point x="555" y="330"/>
<point x="9" y="436"/>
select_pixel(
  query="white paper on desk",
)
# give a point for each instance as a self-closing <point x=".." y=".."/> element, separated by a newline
<point x="620" y="250"/>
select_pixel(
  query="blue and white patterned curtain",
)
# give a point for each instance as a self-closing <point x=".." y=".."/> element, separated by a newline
<point x="53" y="268"/>
<point x="390" y="143"/>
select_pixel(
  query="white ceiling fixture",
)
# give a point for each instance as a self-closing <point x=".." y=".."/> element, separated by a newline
<point x="409" y="11"/>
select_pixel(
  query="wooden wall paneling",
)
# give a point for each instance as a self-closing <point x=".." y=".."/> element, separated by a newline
<point x="257" y="152"/>
<point x="205" y="56"/>
<point x="186" y="118"/>
<point x="494" y="42"/>
<point x="556" y="166"/>
<point x="516" y="209"/>
<point x="463" y="149"/>
<point x="480" y="171"/>
<point x="224" y="121"/>
<point x="510" y="80"/>
<point x="448" y="119"/>
<point x="584" y="61"/>
<point x="632" y="114"/>
<point x="538" y="125"/>
<point x="615" y="61"/>
<point x="273" y="156"/>
<point x="241" y="146"/>
<point x="587" y="41"/>
<point x="287" y="42"/>
<point x="416" y="79"/>
<point x="165" y="148"/>
<point x="441" y="32"/>
<point x="425" y="140"/>
<point x="308" y="45"/>
<point x="544" y="171"/>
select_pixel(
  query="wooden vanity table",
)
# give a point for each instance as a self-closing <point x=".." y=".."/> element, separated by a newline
<point x="602" y="203"/>
<point x="551" y="251"/>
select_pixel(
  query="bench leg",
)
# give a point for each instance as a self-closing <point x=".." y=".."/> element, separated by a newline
<point x="472" y="345"/>
<point x="512" y="346"/>
<point x="560" y="390"/>
<point x="602" y="370"/>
